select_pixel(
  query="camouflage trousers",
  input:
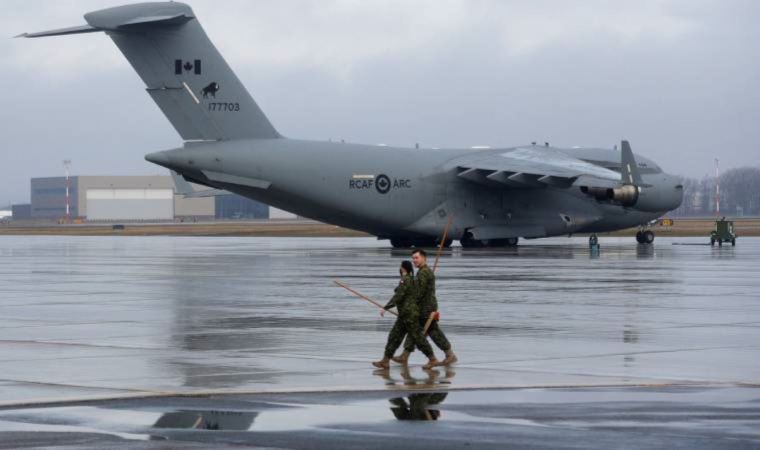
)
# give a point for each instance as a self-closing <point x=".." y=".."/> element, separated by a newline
<point x="435" y="333"/>
<point x="409" y="326"/>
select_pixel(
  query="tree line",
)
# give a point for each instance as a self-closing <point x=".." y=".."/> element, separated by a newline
<point x="739" y="194"/>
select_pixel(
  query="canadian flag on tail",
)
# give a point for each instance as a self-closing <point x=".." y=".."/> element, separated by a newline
<point x="181" y="66"/>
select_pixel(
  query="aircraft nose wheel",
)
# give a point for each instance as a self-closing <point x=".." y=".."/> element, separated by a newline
<point x="645" y="237"/>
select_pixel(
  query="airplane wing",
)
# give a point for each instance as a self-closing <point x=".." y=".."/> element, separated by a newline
<point x="532" y="167"/>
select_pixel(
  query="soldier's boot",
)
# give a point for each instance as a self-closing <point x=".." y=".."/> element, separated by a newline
<point x="402" y="358"/>
<point x="450" y="358"/>
<point x="432" y="362"/>
<point x="382" y="364"/>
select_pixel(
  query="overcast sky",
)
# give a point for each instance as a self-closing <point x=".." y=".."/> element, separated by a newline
<point x="679" y="79"/>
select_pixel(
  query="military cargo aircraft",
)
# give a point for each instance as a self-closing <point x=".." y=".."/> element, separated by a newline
<point x="486" y="197"/>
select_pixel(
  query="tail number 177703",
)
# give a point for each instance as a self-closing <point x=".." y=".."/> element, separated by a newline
<point x="224" y="106"/>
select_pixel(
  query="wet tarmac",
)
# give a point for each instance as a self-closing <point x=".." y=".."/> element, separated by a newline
<point x="237" y="319"/>
<point x="609" y="418"/>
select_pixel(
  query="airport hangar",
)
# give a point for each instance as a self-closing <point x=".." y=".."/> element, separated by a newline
<point x="133" y="198"/>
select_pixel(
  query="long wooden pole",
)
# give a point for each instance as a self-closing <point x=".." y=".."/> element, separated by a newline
<point x="362" y="296"/>
<point x="435" y="315"/>
<point x="443" y="242"/>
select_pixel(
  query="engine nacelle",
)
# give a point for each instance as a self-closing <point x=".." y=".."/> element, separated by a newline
<point x="647" y="198"/>
<point x="627" y="195"/>
<point x="597" y="192"/>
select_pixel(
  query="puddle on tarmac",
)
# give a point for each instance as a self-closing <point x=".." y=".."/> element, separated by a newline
<point x="151" y="422"/>
<point x="731" y="410"/>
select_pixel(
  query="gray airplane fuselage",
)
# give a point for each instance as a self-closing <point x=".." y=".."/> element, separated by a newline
<point x="337" y="183"/>
<point x="408" y="195"/>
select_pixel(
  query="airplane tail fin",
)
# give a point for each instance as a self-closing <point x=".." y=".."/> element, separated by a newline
<point x="185" y="74"/>
<point x="629" y="168"/>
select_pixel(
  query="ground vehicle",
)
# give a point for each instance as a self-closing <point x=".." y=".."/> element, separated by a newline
<point x="723" y="232"/>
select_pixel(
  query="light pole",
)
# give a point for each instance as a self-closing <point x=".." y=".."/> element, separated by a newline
<point x="66" y="164"/>
<point x="717" y="187"/>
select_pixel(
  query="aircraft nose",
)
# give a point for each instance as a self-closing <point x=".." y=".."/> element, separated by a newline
<point x="673" y="192"/>
<point x="160" y="158"/>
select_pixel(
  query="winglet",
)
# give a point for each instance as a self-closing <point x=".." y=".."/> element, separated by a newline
<point x="629" y="170"/>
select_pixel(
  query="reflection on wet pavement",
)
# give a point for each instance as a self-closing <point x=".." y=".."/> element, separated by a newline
<point x="405" y="378"/>
<point x="207" y="420"/>
<point x="642" y="417"/>
<point x="419" y="406"/>
<point x="92" y="317"/>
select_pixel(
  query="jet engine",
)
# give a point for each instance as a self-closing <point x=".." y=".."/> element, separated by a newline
<point x="626" y="195"/>
<point x="665" y="194"/>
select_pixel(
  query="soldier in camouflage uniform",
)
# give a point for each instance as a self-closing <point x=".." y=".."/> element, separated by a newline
<point x="428" y="304"/>
<point x="408" y="322"/>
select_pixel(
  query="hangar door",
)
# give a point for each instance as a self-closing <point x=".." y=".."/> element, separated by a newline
<point x="130" y="204"/>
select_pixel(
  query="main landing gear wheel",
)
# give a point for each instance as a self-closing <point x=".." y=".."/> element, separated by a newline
<point x="508" y="242"/>
<point x="425" y="243"/>
<point x="406" y="242"/>
<point x="401" y="242"/>
<point x="645" y="237"/>
<point x="467" y="241"/>
<point x="446" y="244"/>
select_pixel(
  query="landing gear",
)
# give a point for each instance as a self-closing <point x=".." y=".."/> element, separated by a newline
<point x="407" y="242"/>
<point x="645" y="237"/>
<point x="446" y="244"/>
<point x="401" y="242"/>
<point x="424" y="243"/>
<point x="508" y="242"/>
<point x="467" y="241"/>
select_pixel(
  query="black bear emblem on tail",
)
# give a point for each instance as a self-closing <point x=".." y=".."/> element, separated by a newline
<point x="212" y="89"/>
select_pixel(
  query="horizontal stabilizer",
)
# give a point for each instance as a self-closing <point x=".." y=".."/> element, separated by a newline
<point x="174" y="19"/>
<point x="61" y="31"/>
<point x="183" y="71"/>
<point x="98" y="22"/>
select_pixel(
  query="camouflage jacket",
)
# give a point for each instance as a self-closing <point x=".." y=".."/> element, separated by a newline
<point x="404" y="297"/>
<point x="425" y="282"/>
